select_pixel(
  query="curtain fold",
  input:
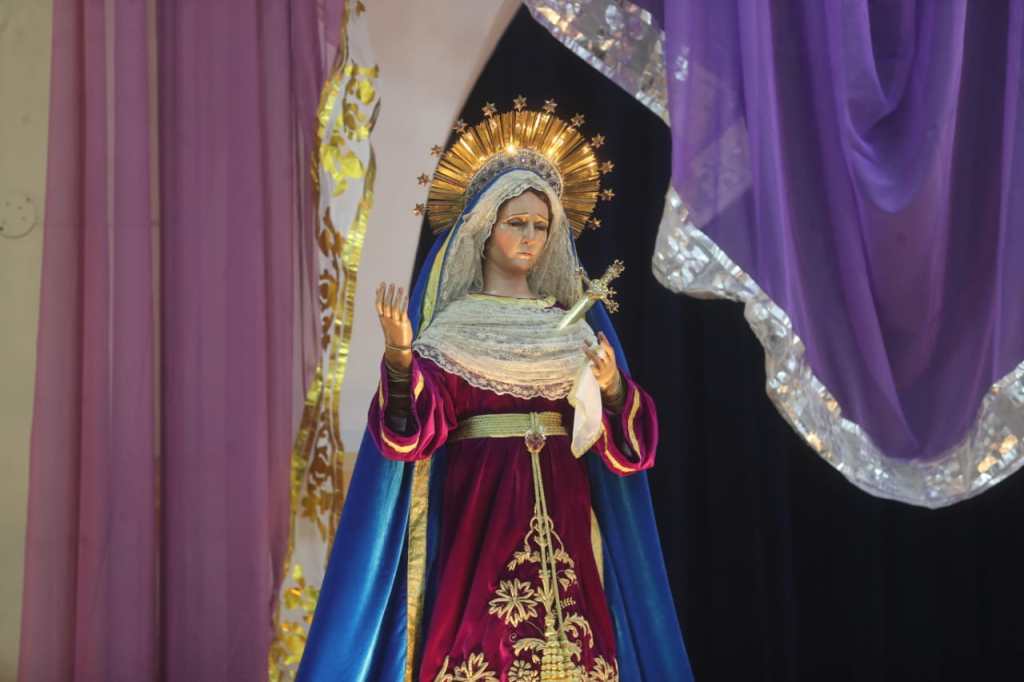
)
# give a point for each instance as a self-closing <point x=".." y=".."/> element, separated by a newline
<point x="238" y="100"/>
<point x="344" y="174"/>
<point x="92" y="479"/>
<point x="176" y="326"/>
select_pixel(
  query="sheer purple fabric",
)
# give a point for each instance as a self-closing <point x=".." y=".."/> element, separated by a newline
<point x="848" y="170"/>
<point x="167" y="359"/>
<point x="89" y="608"/>
<point x="862" y="161"/>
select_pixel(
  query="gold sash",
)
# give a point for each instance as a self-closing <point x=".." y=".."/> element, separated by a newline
<point x="508" y="425"/>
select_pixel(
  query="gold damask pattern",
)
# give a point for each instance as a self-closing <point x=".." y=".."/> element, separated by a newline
<point x="343" y="171"/>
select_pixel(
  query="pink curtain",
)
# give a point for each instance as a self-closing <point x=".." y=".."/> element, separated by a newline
<point x="178" y="223"/>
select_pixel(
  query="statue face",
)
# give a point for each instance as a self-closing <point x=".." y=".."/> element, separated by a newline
<point x="519" y="234"/>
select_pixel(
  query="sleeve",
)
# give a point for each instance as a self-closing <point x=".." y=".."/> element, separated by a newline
<point x="629" y="440"/>
<point x="431" y="416"/>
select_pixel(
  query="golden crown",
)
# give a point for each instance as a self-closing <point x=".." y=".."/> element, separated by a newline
<point x="553" y="148"/>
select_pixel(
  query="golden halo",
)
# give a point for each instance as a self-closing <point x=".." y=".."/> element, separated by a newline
<point x="535" y="140"/>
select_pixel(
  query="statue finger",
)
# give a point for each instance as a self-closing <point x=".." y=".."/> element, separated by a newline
<point x="396" y="304"/>
<point x="397" y="309"/>
<point x="390" y="301"/>
<point x="379" y="300"/>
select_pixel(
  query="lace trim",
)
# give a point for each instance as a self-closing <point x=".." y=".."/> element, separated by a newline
<point x="496" y="386"/>
<point x="545" y="302"/>
<point x="506" y="346"/>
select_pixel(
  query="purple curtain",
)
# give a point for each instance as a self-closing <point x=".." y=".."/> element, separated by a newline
<point x="172" y="335"/>
<point x="90" y="608"/>
<point x="862" y="163"/>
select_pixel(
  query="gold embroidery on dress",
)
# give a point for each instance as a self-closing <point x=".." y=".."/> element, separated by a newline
<point x="603" y="671"/>
<point x="557" y="648"/>
<point x="477" y="669"/>
<point x="555" y="654"/>
<point x="514" y="602"/>
<point x="521" y="671"/>
<point x="473" y="669"/>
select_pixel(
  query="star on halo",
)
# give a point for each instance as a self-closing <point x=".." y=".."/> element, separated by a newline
<point x="460" y="126"/>
<point x="423" y="179"/>
<point x="597" y="141"/>
<point x="576" y="120"/>
<point x="549" y="106"/>
<point x="607" y="167"/>
<point x="436" y="150"/>
<point x="419" y="209"/>
<point x="489" y="109"/>
<point x="608" y="194"/>
<point x="594" y="223"/>
<point x="519" y="103"/>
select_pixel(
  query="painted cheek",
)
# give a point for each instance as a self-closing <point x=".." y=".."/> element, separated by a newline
<point x="508" y="242"/>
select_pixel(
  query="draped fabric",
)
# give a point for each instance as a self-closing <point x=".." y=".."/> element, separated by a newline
<point x="847" y="170"/>
<point x="167" y="359"/>
<point x="92" y="475"/>
<point x="344" y="175"/>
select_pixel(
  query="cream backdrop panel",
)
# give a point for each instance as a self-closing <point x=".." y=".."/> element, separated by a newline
<point x="430" y="54"/>
<point x="24" y="97"/>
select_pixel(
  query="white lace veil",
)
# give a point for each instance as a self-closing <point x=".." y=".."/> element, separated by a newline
<point x="555" y="273"/>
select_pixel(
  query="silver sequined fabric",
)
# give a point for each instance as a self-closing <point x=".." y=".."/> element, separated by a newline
<point x="617" y="38"/>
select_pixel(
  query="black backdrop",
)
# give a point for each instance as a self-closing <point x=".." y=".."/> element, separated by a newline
<point x="780" y="569"/>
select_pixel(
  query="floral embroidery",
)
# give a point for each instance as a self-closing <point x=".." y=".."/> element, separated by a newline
<point x="514" y="602"/>
<point x="553" y="635"/>
<point x="474" y="669"/>
<point x="521" y="671"/>
<point x="603" y="671"/>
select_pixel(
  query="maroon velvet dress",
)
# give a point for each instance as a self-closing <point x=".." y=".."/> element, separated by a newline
<point x="489" y="617"/>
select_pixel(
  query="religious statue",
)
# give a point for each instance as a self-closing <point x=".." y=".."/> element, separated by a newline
<point x="494" y="528"/>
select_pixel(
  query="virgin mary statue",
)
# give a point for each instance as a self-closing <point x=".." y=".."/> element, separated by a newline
<point x="498" y="524"/>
